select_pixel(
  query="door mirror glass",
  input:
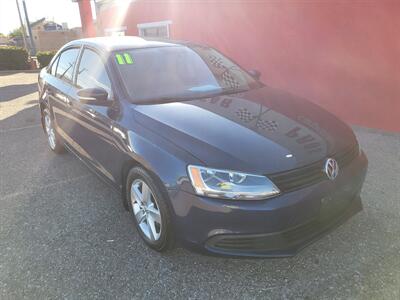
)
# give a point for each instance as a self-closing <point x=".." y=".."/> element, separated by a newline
<point x="94" y="96"/>
<point x="255" y="74"/>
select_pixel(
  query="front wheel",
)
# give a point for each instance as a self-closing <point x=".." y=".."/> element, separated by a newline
<point x="149" y="209"/>
<point x="52" y="137"/>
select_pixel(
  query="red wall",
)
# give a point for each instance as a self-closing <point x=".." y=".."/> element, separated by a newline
<point x="85" y="11"/>
<point x="345" y="57"/>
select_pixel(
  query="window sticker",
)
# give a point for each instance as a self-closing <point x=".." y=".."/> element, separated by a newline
<point x="128" y="58"/>
<point x="120" y="59"/>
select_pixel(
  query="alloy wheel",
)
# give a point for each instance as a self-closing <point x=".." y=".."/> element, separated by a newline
<point x="145" y="210"/>
<point x="51" y="136"/>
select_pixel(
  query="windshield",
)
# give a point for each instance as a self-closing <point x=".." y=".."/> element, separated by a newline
<point x="174" y="73"/>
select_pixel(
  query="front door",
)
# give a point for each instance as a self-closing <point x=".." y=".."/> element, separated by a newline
<point x="93" y="125"/>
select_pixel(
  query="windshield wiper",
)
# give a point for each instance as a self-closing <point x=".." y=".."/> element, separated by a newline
<point x="192" y="96"/>
<point x="167" y="99"/>
<point x="227" y="91"/>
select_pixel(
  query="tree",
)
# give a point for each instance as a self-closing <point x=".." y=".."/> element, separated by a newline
<point x="2" y="35"/>
<point x="16" y="32"/>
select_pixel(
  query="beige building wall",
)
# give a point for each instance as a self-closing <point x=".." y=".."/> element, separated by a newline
<point x="53" y="40"/>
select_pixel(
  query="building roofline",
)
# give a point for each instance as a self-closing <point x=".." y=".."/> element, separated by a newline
<point x="37" y="21"/>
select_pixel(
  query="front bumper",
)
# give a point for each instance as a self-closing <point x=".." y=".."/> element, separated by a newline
<point x="284" y="243"/>
<point x="275" y="227"/>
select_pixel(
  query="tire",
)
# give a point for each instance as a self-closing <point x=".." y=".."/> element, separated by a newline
<point x="154" y="229"/>
<point x="53" y="139"/>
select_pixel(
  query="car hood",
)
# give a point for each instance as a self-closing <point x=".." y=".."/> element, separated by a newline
<point x="262" y="131"/>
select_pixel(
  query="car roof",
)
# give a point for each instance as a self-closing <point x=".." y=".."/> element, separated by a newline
<point x="115" y="43"/>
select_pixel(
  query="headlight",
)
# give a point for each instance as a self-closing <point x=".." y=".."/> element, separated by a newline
<point x="230" y="185"/>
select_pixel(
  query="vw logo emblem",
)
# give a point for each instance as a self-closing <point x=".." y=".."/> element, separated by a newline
<point x="331" y="168"/>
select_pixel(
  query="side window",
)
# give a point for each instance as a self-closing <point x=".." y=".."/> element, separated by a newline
<point x="66" y="63"/>
<point x="54" y="66"/>
<point x="92" y="72"/>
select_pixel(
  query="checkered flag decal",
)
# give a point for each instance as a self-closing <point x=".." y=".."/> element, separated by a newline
<point x="247" y="117"/>
<point x="216" y="62"/>
<point x="226" y="76"/>
<point x="267" y="125"/>
<point x="230" y="80"/>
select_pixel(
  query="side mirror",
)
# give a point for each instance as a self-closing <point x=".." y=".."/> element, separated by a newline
<point x="94" y="96"/>
<point x="255" y="74"/>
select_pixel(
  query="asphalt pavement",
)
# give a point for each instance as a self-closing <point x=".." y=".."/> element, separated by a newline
<point x="65" y="234"/>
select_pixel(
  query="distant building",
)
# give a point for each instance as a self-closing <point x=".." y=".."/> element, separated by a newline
<point x="18" y="41"/>
<point x="4" y="40"/>
<point x="49" y="35"/>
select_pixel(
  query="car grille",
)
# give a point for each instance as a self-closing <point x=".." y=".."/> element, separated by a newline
<point x="311" y="174"/>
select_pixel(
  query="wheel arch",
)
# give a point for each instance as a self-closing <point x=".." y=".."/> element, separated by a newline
<point x="166" y="163"/>
<point x="129" y="165"/>
<point x="126" y="167"/>
<point x="42" y="107"/>
<point x="43" y="104"/>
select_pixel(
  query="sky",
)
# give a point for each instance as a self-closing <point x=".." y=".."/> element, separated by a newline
<point x="58" y="10"/>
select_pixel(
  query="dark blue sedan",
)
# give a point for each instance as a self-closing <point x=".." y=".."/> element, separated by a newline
<point x="203" y="153"/>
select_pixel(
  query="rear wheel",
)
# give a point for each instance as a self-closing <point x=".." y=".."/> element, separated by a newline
<point x="149" y="209"/>
<point x="52" y="136"/>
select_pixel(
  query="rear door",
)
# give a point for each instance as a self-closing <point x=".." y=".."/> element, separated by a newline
<point x="59" y="88"/>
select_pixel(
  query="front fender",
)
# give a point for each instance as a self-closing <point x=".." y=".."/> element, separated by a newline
<point x="160" y="156"/>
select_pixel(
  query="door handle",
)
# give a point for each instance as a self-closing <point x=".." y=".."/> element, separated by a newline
<point x="91" y="112"/>
<point x="69" y="102"/>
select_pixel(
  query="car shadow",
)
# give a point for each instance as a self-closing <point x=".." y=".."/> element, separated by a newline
<point x="11" y="92"/>
<point x="29" y="116"/>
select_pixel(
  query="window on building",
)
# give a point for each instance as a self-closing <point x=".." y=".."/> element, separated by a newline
<point x="115" y="31"/>
<point x="66" y="64"/>
<point x="154" y="29"/>
<point x="92" y="72"/>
